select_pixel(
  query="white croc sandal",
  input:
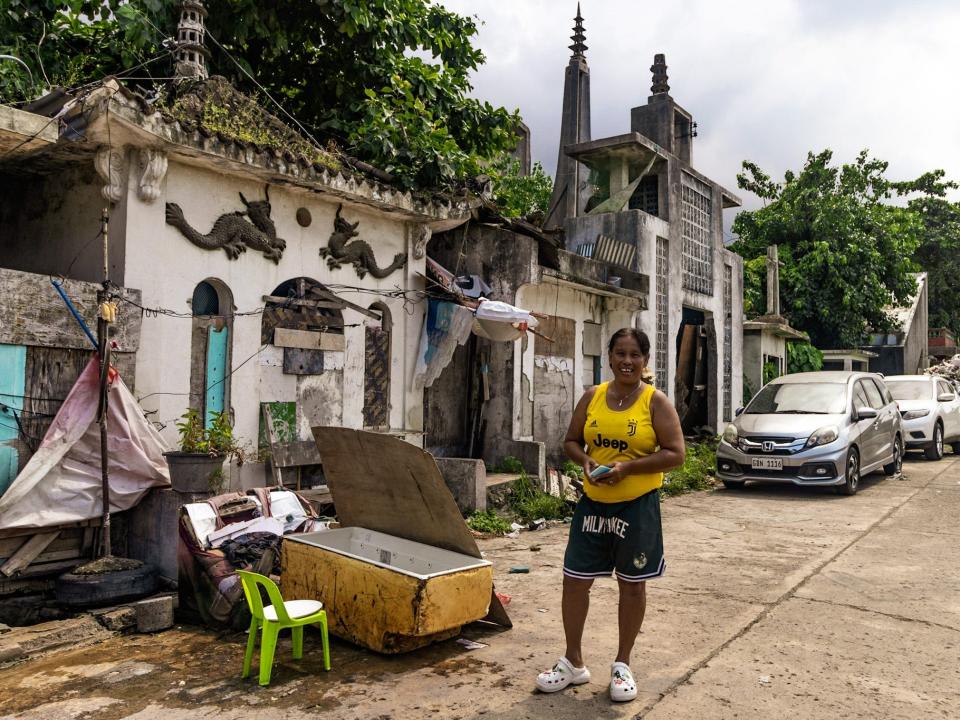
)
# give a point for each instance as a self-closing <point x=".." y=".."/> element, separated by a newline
<point x="622" y="685"/>
<point x="562" y="675"/>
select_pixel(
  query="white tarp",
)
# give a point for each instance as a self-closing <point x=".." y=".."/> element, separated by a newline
<point x="61" y="483"/>
<point x="501" y="322"/>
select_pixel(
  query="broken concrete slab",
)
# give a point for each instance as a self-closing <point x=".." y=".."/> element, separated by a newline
<point x="154" y="614"/>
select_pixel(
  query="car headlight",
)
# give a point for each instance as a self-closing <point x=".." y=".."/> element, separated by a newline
<point x="823" y="436"/>
<point x="914" y="414"/>
<point x="730" y="435"/>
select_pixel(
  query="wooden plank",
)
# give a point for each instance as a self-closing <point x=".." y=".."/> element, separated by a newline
<point x="13" y="363"/>
<point x="28" y="552"/>
<point x="301" y="452"/>
<point x="21" y="532"/>
<point x="383" y="483"/>
<point x="271" y="441"/>
<point x="323" y="292"/>
<point x="308" y="339"/>
<point x="562" y="331"/>
<point x="34" y="314"/>
<point x="297" y="361"/>
<point x="295" y="302"/>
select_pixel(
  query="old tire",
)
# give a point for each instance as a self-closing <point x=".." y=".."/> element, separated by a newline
<point x="107" y="588"/>
<point x="851" y="475"/>
<point x="895" y="467"/>
<point x="934" y="451"/>
<point x="734" y="484"/>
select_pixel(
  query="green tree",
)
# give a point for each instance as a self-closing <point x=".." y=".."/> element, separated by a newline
<point x="388" y="80"/>
<point x="847" y="251"/>
<point x="939" y="255"/>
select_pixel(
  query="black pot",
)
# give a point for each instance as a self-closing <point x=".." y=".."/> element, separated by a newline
<point x="195" y="472"/>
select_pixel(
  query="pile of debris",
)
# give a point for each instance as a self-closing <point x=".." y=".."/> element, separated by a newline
<point x="949" y="369"/>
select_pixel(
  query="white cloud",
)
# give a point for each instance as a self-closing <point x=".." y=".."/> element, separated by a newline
<point x="766" y="80"/>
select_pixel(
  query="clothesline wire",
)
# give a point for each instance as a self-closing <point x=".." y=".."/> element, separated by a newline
<point x="212" y="385"/>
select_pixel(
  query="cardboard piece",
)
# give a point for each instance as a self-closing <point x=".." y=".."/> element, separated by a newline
<point x="382" y="483"/>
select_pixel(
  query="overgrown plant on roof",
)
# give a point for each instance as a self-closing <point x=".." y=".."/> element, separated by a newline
<point x="387" y="80"/>
<point x="516" y="195"/>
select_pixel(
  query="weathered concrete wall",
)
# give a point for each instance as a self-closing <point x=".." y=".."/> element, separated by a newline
<point x="49" y="225"/>
<point x="467" y="480"/>
<point x="168" y="267"/>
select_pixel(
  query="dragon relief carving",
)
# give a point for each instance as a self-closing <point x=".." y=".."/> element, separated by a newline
<point x="341" y="251"/>
<point x="234" y="232"/>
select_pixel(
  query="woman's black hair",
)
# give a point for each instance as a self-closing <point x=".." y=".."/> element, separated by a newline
<point x="639" y="335"/>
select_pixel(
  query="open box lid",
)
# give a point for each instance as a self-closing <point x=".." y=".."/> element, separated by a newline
<point x="382" y="483"/>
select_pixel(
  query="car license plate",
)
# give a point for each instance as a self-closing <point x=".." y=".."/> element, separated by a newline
<point x="766" y="463"/>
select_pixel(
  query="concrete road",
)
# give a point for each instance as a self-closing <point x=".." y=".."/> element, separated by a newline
<point x="778" y="603"/>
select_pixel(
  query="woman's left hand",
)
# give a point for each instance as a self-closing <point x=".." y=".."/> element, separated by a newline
<point x="616" y="474"/>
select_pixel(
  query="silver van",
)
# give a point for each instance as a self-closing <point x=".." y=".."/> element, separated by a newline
<point x="820" y="428"/>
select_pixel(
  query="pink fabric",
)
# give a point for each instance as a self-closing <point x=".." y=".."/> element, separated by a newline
<point x="61" y="482"/>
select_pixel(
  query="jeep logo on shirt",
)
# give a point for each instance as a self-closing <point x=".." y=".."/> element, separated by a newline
<point x="601" y="442"/>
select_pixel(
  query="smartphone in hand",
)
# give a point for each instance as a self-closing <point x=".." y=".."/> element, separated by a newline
<point x="600" y="471"/>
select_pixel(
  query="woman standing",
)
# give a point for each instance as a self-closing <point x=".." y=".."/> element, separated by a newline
<point x="632" y="434"/>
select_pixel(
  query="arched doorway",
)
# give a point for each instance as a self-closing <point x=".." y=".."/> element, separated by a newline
<point x="376" y="369"/>
<point x="211" y="348"/>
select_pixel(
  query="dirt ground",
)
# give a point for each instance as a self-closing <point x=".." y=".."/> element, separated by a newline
<point x="778" y="602"/>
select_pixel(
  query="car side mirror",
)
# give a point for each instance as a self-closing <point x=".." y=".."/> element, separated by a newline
<point x="866" y="413"/>
<point x="945" y="397"/>
<point x="738" y="412"/>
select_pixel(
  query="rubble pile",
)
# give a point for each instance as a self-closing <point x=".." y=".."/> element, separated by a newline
<point x="949" y="369"/>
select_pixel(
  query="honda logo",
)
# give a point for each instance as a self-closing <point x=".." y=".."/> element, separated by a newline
<point x="767" y="446"/>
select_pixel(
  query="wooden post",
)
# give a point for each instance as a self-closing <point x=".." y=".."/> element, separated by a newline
<point x="103" y="343"/>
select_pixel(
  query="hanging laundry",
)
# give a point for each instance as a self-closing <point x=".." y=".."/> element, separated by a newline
<point x="445" y="326"/>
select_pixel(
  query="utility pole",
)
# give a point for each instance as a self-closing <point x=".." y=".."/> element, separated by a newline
<point x="106" y="314"/>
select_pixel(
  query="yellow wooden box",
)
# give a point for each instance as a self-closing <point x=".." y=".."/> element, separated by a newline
<point x="383" y="592"/>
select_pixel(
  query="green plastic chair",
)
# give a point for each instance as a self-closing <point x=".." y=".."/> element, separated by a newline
<point x="275" y="617"/>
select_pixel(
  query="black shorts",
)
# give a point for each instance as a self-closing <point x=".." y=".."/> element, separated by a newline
<point x="625" y="537"/>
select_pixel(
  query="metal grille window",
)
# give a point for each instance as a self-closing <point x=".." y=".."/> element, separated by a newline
<point x="727" y="342"/>
<point x="696" y="226"/>
<point x="661" y="347"/>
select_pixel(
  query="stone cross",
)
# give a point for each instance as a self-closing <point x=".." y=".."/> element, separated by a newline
<point x="773" y="281"/>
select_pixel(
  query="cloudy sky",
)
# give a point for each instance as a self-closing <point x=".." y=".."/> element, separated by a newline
<point x="766" y="80"/>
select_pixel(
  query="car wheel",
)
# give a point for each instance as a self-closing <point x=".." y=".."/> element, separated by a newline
<point x="895" y="466"/>
<point x="736" y="484"/>
<point x="934" y="451"/>
<point x="852" y="475"/>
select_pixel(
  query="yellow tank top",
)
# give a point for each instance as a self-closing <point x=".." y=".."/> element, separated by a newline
<point x="619" y="436"/>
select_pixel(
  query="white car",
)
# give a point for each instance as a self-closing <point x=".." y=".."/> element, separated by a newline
<point x="929" y="411"/>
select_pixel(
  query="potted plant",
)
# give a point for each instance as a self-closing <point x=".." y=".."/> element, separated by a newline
<point x="198" y="465"/>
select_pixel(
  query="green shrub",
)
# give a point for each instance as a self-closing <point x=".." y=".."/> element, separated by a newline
<point x="697" y="472"/>
<point x="571" y="468"/>
<point x="487" y="521"/>
<point x="803" y="357"/>
<point x="530" y="503"/>
<point x="510" y="464"/>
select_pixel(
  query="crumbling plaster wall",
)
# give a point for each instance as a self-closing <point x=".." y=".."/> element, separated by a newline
<point x="168" y="267"/>
<point x="548" y="383"/>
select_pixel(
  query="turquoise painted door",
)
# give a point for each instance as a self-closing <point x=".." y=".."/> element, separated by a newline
<point x="13" y="366"/>
<point x="216" y="372"/>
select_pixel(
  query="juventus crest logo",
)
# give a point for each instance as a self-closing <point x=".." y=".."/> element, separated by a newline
<point x="631" y="428"/>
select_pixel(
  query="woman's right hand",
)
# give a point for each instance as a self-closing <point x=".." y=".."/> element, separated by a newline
<point x="589" y="465"/>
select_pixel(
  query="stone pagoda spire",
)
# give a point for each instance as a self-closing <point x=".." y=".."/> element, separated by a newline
<point x="571" y="177"/>
<point x="659" y="70"/>
<point x="578" y="37"/>
<point x="191" y="53"/>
